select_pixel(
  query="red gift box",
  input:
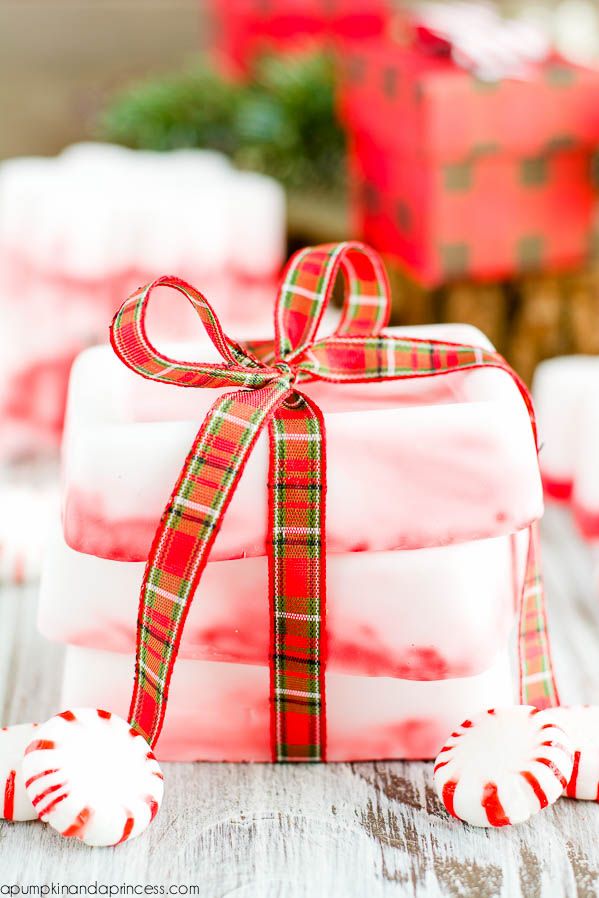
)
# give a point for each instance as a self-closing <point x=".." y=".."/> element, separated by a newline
<point x="247" y="28"/>
<point x="459" y="178"/>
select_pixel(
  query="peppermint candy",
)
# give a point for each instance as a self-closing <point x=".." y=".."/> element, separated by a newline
<point x="504" y="765"/>
<point x="581" y="723"/>
<point x="14" y="801"/>
<point x="91" y="777"/>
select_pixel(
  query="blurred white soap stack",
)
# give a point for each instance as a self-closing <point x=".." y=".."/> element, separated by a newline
<point x="566" y="394"/>
<point x="79" y="232"/>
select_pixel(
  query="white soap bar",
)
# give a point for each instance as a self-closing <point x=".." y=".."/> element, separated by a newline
<point x="585" y="493"/>
<point x="418" y="601"/>
<point x="221" y="712"/>
<point x="24" y="529"/>
<point x="474" y="474"/>
<point x="560" y="390"/>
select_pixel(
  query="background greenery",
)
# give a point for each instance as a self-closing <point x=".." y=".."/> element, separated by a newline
<point x="281" y="121"/>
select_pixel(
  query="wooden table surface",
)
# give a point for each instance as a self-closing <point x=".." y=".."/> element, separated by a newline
<point x="338" y="831"/>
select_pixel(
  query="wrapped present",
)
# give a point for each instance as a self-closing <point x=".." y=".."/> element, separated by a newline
<point x="79" y="231"/>
<point x="246" y="28"/>
<point x="417" y="442"/>
<point x="462" y="178"/>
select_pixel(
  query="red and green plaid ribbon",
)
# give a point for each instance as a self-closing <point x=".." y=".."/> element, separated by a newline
<point x="268" y="375"/>
<point x="537" y="680"/>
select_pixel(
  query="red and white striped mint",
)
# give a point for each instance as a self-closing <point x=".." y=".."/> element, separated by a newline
<point x="503" y="765"/>
<point x="14" y="801"/>
<point x="93" y="778"/>
<point x="581" y="723"/>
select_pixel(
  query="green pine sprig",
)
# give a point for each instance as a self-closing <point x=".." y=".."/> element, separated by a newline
<point x="282" y="121"/>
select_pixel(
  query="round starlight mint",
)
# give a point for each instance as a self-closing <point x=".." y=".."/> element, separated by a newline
<point x="93" y="778"/>
<point x="503" y="765"/>
<point x="581" y="723"/>
<point x="14" y="801"/>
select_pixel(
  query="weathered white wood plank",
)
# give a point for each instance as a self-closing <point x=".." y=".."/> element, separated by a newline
<point x="337" y="831"/>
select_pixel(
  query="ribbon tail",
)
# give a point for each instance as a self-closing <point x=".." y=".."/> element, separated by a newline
<point x="537" y="679"/>
<point x="184" y="538"/>
<point x="297" y="578"/>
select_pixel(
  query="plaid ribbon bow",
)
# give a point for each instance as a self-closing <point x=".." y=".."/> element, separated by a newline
<point x="268" y="376"/>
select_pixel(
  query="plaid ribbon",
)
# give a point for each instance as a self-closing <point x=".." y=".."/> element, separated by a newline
<point x="268" y="375"/>
<point x="537" y="680"/>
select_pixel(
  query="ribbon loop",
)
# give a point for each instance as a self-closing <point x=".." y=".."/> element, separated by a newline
<point x="130" y="341"/>
<point x="306" y="288"/>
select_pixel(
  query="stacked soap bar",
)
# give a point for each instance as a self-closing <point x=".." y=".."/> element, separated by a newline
<point x="80" y="231"/>
<point x="425" y="564"/>
<point x="566" y="394"/>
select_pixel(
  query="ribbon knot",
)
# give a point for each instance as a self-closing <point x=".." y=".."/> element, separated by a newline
<point x="289" y="372"/>
<point x="267" y="376"/>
